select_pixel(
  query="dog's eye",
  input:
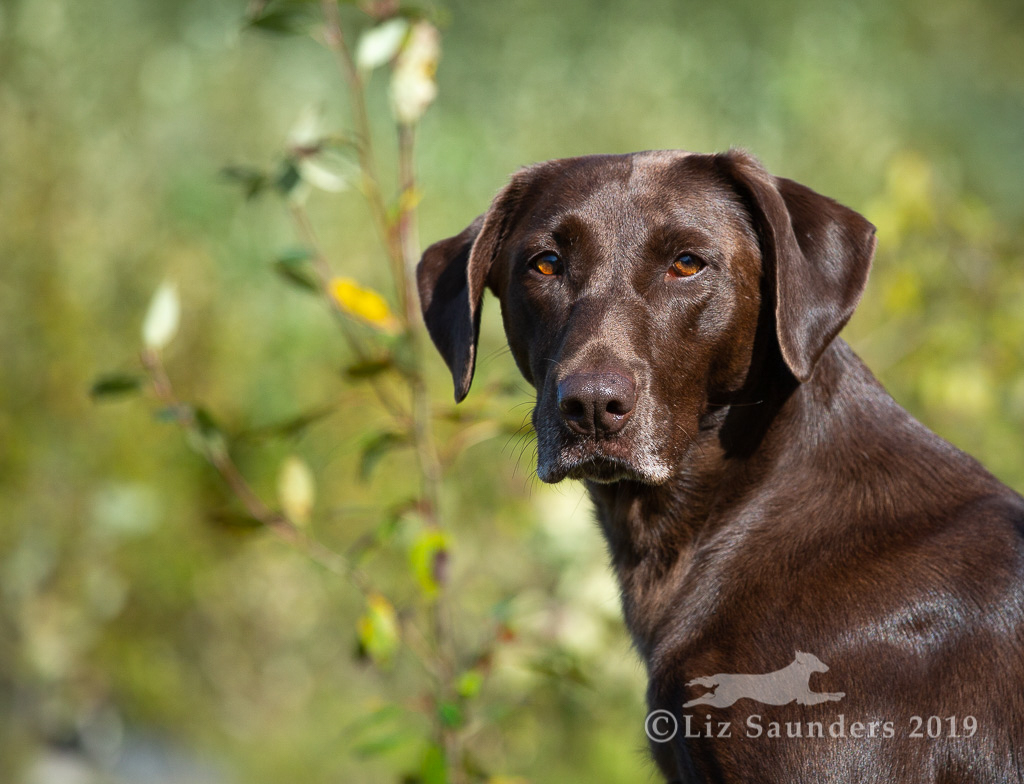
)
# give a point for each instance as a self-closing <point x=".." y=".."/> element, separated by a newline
<point x="547" y="264"/>
<point x="686" y="266"/>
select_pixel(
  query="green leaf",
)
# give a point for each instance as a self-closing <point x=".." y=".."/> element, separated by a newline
<point x="450" y="714"/>
<point x="503" y="610"/>
<point x="173" y="414"/>
<point x="110" y="385"/>
<point x="434" y="769"/>
<point x="381" y="730"/>
<point x="281" y="19"/>
<point x="295" y="255"/>
<point x="562" y="667"/>
<point x="207" y="438"/>
<point x="288" y="177"/>
<point x="290" y="427"/>
<point x="403" y="353"/>
<point x="369" y="368"/>
<point x="252" y="181"/>
<point x="294" y="266"/>
<point x="297" y="277"/>
<point x="207" y="424"/>
<point x="376" y="447"/>
<point x="375" y="747"/>
<point x="469" y="683"/>
<point x="234" y="521"/>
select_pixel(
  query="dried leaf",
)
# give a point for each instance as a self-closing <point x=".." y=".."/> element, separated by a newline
<point x="162" y="317"/>
<point x="380" y="44"/>
<point x="413" y="83"/>
<point x="328" y="171"/>
<point x="296" y="489"/>
<point x="307" y="129"/>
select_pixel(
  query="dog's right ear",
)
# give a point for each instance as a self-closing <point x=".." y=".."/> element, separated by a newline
<point x="451" y="278"/>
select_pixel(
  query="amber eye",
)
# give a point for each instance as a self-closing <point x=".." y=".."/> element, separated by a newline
<point x="686" y="266"/>
<point x="547" y="264"/>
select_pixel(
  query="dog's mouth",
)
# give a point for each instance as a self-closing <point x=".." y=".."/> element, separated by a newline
<point x="600" y="462"/>
<point x="633" y="453"/>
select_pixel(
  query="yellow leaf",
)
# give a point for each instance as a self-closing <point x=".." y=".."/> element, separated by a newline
<point x="427" y="558"/>
<point x="365" y="304"/>
<point x="378" y="629"/>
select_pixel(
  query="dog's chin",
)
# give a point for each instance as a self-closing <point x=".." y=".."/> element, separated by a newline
<point x="602" y="468"/>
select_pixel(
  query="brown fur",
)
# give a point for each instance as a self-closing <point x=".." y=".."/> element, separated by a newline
<point x="766" y="495"/>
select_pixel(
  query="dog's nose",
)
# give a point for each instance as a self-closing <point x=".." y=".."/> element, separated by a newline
<point x="596" y="403"/>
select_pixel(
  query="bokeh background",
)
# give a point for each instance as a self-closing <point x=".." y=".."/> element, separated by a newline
<point x="146" y="636"/>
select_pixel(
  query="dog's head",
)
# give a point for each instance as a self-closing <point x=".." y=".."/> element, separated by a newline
<point x="632" y="290"/>
<point x="810" y="663"/>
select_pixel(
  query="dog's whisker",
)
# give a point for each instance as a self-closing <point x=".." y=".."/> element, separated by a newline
<point x="522" y="442"/>
<point x="736" y="405"/>
<point x="496" y="353"/>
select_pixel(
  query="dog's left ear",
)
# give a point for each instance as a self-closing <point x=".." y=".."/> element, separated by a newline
<point x="818" y="252"/>
<point x="451" y="278"/>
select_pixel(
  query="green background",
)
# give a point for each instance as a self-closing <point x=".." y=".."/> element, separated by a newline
<point x="142" y="637"/>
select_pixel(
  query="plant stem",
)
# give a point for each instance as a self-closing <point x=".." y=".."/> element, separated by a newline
<point x="334" y="36"/>
<point x="324" y="275"/>
<point x="276" y="522"/>
<point x="402" y="244"/>
<point x="430" y="467"/>
<point x="426" y="452"/>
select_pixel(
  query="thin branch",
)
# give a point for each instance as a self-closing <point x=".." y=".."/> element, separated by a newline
<point x="426" y="451"/>
<point x="276" y="522"/>
<point x="324" y="275"/>
<point x="334" y="37"/>
<point x="402" y="244"/>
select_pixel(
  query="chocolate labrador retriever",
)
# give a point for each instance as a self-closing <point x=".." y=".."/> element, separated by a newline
<point x="763" y="497"/>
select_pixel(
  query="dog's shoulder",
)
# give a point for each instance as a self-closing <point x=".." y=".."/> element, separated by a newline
<point x="996" y="517"/>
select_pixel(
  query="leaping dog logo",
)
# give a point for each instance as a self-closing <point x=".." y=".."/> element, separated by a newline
<point x="792" y="682"/>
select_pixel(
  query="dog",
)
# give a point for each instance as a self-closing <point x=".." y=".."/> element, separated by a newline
<point x="791" y="683"/>
<point x="759" y="490"/>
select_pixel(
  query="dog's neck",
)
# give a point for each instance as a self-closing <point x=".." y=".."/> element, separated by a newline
<point x="654" y="532"/>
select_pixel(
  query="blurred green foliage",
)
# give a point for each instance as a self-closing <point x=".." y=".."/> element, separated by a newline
<point x="147" y="632"/>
